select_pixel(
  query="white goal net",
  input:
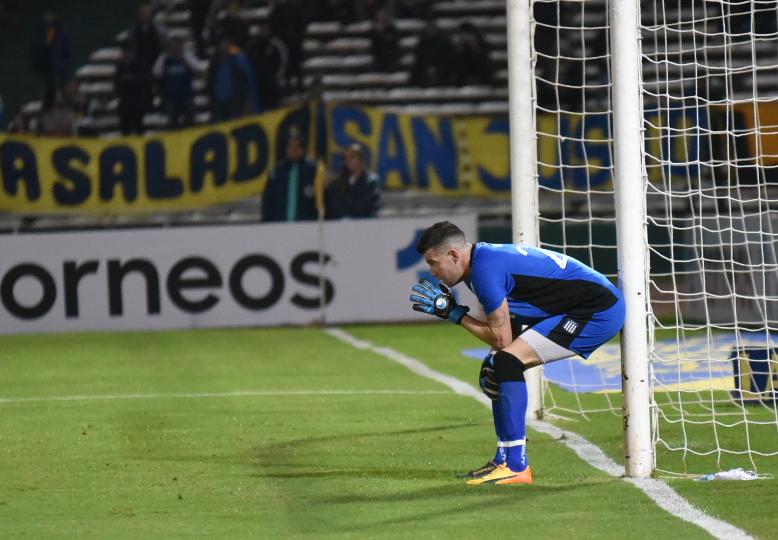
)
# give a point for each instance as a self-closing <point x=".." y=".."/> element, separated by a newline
<point x="710" y="109"/>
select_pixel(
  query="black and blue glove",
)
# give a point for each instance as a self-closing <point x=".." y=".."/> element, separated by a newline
<point x="437" y="300"/>
<point x="487" y="380"/>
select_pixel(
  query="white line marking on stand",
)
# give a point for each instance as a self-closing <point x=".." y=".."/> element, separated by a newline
<point x="663" y="495"/>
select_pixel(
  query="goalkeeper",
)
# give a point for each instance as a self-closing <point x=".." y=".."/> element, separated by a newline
<point x="540" y="306"/>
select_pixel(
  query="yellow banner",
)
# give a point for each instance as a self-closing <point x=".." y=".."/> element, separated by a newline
<point x="187" y="169"/>
<point x="455" y="156"/>
<point x="440" y="154"/>
<point x="761" y="124"/>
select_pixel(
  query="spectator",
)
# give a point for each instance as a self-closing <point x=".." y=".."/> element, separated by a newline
<point x="133" y="88"/>
<point x="355" y="193"/>
<point x="431" y="55"/>
<point x="384" y="43"/>
<point x="288" y="23"/>
<point x="198" y="15"/>
<point x="175" y="72"/>
<point x="471" y="63"/>
<point x="56" y="118"/>
<point x="51" y="55"/>
<point x="295" y="188"/>
<point x="232" y="84"/>
<point x="232" y="26"/>
<point x="147" y="38"/>
<point x="269" y="58"/>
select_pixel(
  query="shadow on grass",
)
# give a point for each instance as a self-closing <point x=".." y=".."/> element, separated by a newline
<point x="449" y="503"/>
<point x="358" y="499"/>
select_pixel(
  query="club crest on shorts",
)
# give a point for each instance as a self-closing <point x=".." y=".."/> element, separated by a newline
<point x="570" y="326"/>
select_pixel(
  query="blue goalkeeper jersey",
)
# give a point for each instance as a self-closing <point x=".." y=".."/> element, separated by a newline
<point x="538" y="283"/>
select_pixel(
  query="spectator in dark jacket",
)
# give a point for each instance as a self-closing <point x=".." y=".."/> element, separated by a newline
<point x="269" y="58"/>
<point x="51" y="55"/>
<point x="355" y="193"/>
<point x="232" y="85"/>
<point x="132" y="85"/>
<point x="384" y="43"/>
<point x="175" y="72"/>
<point x="147" y="38"/>
<point x="294" y="190"/>
<point x="288" y="22"/>
<point x="431" y="55"/>
<point x="198" y="15"/>
<point x="471" y="63"/>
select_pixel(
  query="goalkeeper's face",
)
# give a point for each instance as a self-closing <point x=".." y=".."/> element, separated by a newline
<point x="445" y="264"/>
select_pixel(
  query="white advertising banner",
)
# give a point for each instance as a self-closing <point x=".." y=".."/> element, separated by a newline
<point x="215" y="276"/>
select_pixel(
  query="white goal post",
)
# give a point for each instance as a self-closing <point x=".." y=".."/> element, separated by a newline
<point x="630" y="207"/>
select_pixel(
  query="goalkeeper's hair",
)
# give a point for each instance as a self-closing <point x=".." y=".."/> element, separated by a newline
<point x="439" y="234"/>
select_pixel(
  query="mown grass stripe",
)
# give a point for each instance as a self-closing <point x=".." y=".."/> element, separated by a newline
<point x="243" y="393"/>
<point x="662" y="494"/>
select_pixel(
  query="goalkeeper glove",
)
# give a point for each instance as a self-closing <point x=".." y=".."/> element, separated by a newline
<point x="437" y="300"/>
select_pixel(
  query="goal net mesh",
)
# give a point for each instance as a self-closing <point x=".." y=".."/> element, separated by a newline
<point x="710" y="126"/>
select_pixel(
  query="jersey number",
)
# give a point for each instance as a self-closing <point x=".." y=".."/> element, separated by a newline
<point x="558" y="258"/>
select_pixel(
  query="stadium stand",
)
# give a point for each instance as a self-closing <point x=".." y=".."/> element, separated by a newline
<point x="338" y="55"/>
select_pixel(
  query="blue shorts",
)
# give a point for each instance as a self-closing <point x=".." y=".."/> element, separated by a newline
<point x="583" y="336"/>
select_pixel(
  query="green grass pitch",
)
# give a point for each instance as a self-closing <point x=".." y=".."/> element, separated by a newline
<point x="289" y="433"/>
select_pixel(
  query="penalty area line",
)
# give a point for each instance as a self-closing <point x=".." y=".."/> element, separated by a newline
<point x="243" y="393"/>
<point x="658" y="491"/>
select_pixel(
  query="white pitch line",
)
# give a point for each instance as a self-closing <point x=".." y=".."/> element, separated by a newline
<point x="662" y="494"/>
<point x="195" y="395"/>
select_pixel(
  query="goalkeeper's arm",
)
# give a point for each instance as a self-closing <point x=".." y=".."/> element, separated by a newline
<point x="438" y="300"/>
<point x="495" y="331"/>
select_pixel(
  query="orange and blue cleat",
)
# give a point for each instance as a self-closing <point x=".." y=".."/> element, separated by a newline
<point x="503" y="475"/>
<point x="483" y="470"/>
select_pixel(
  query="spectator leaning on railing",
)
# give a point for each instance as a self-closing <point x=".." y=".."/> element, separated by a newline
<point x="355" y="192"/>
<point x="295" y="188"/>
